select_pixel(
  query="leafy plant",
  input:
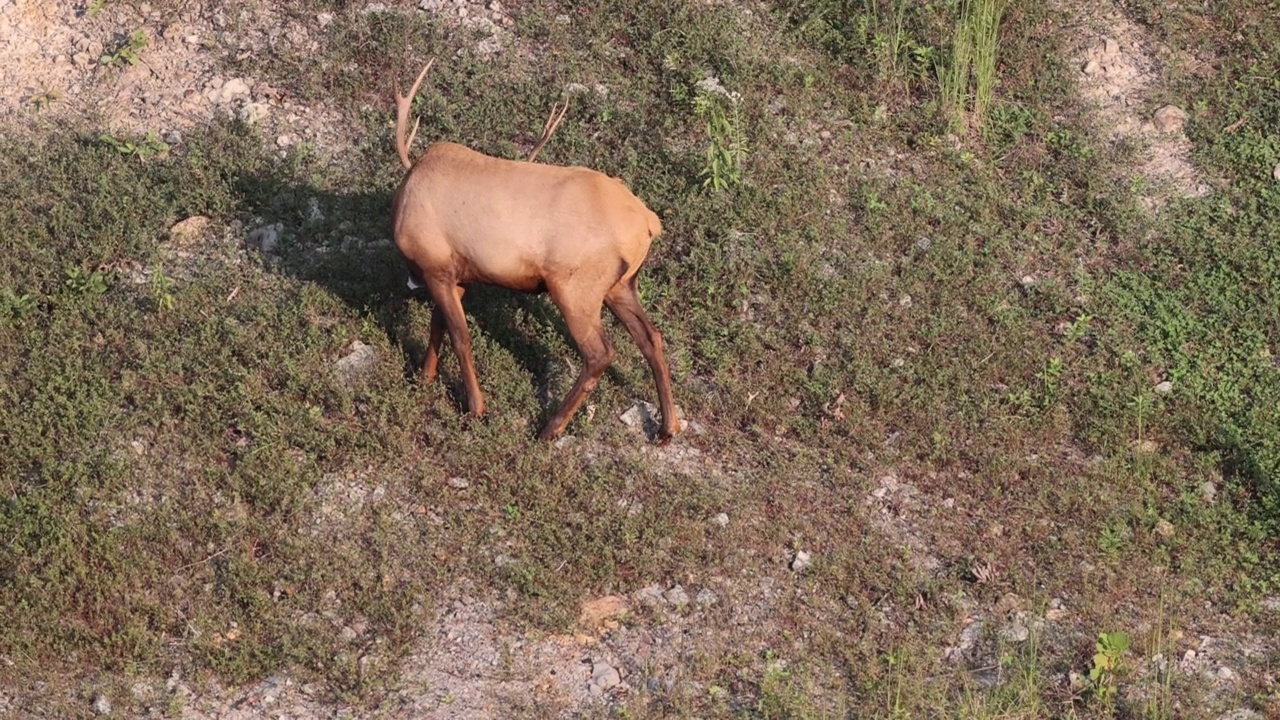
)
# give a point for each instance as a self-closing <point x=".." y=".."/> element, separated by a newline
<point x="82" y="282"/>
<point x="1111" y="539"/>
<point x="44" y="99"/>
<point x="149" y="146"/>
<point x="727" y="145"/>
<point x="161" y="286"/>
<point x="14" y="304"/>
<point x="127" y="53"/>
<point x="1108" y="662"/>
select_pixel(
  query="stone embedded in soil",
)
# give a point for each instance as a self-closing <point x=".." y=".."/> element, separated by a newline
<point x="1164" y="388"/>
<point x="189" y="230"/>
<point x="721" y="519"/>
<point x="604" y="677"/>
<point x="602" y="612"/>
<point x="651" y="595"/>
<point x="706" y="598"/>
<point x="968" y="639"/>
<point x="229" y="91"/>
<point x="253" y="113"/>
<point x="1169" y="118"/>
<point x="801" y="561"/>
<point x="1015" y="632"/>
<point x="1208" y="492"/>
<point x="102" y="705"/>
<point x="265" y="238"/>
<point x="459" y="483"/>
<point x="676" y="596"/>
<point x="1276" y="172"/>
<point x="358" y="363"/>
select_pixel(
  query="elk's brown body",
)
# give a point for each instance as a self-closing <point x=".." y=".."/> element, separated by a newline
<point x="461" y="217"/>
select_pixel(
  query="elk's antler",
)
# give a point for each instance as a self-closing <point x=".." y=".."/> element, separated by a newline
<point x="553" y="121"/>
<point x="404" y="103"/>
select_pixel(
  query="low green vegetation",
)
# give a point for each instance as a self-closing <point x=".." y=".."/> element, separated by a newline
<point x="187" y="481"/>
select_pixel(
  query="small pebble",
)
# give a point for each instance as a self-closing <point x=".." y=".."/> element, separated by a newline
<point x="721" y="519"/>
<point x="1165" y="387"/>
<point x="459" y="483"/>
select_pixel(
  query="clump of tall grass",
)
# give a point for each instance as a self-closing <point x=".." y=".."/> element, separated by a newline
<point x="973" y="55"/>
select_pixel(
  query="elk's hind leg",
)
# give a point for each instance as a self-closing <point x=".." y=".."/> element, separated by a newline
<point x="623" y="301"/>
<point x="447" y="296"/>
<point x="431" y="364"/>
<point x="582" y="316"/>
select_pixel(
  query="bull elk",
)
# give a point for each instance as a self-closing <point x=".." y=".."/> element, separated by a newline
<point x="463" y="217"/>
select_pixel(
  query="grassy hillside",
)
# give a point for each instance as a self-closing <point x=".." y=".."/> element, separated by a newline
<point x="855" y="300"/>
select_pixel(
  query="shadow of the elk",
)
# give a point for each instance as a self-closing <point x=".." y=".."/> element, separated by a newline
<point x="342" y="242"/>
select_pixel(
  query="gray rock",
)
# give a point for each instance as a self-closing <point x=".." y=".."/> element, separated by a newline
<point x="721" y="519"/>
<point x="358" y="363"/>
<point x="266" y="238"/>
<point x="801" y="561"/>
<point x="651" y="595"/>
<point x="641" y="416"/>
<point x="706" y="598"/>
<point x="1164" y="388"/>
<point x="967" y="641"/>
<point x="459" y="483"/>
<point x="1015" y="632"/>
<point x="1276" y="172"/>
<point x="1208" y="492"/>
<point x="101" y="705"/>
<point x="604" y="677"/>
<point x="676" y="596"/>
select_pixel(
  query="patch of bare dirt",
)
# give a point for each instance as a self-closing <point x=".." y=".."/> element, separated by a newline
<point x="1119" y="64"/>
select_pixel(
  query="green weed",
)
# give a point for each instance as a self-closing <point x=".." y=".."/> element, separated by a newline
<point x="128" y="53"/>
<point x="1108" y="665"/>
<point x="727" y="146"/>
<point x="148" y="146"/>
